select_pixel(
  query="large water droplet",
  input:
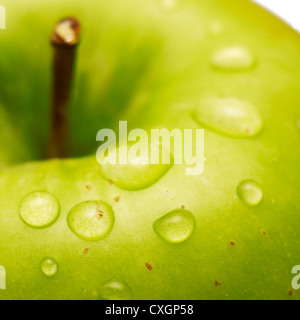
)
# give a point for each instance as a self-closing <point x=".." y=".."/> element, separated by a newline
<point x="91" y="220"/>
<point x="39" y="209"/>
<point x="114" y="290"/>
<point x="229" y="116"/>
<point x="250" y="192"/>
<point x="176" y="226"/>
<point x="135" y="175"/>
<point x="49" y="267"/>
<point x="234" y="58"/>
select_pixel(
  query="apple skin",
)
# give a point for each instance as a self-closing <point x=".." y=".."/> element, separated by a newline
<point x="141" y="64"/>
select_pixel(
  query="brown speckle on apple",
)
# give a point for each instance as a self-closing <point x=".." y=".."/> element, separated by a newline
<point x="149" y="266"/>
<point x="217" y="283"/>
<point x="100" y="213"/>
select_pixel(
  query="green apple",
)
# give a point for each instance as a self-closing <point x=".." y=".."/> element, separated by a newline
<point x="70" y="229"/>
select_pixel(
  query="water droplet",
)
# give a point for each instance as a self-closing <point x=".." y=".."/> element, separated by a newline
<point x="250" y="192"/>
<point x="298" y="123"/>
<point x="176" y="226"/>
<point x="233" y="59"/>
<point x="135" y="175"/>
<point x="169" y="6"/>
<point x="229" y="116"/>
<point x="91" y="220"/>
<point x="49" y="267"/>
<point x="114" y="290"/>
<point x="216" y="28"/>
<point x="39" y="209"/>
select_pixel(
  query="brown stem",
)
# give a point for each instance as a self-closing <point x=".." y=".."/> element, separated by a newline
<point x="65" y="38"/>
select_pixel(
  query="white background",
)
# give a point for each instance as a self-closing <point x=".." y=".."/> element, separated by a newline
<point x="288" y="10"/>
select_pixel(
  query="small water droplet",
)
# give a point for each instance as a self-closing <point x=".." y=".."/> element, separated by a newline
<point x="176" y="226"/>
<point x="39" y="209"/>
<point x="169" y="6"/>
<point x="229" y="116"/>
<point x="250" y="192"/>
<point x="234" y="58"/>
<point x="298" y="123"/>
<point x="49" y="267"/>
<point x="114" y="290"/>
<point x="135" y="175"/>
<point x="91" y="220"/>
<point x="216" y="28"/>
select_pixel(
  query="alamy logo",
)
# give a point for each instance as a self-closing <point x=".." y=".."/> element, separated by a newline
<point x="296" y="279"/>
<point x="2" y="17"/>
<point x="153" y="147"/>
<point x="2" y="278"/>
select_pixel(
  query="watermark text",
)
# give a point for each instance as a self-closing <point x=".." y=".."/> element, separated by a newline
<point x="2" y="17"/>
<point x="296" y="279"/>
<point x="158" y="146"/>
<point x="2" y="278"/>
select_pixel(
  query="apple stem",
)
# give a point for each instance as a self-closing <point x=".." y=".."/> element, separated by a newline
<point x="64" y="39"/>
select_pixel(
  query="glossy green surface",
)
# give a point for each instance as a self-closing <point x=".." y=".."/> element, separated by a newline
<point x="151" y="65"/>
